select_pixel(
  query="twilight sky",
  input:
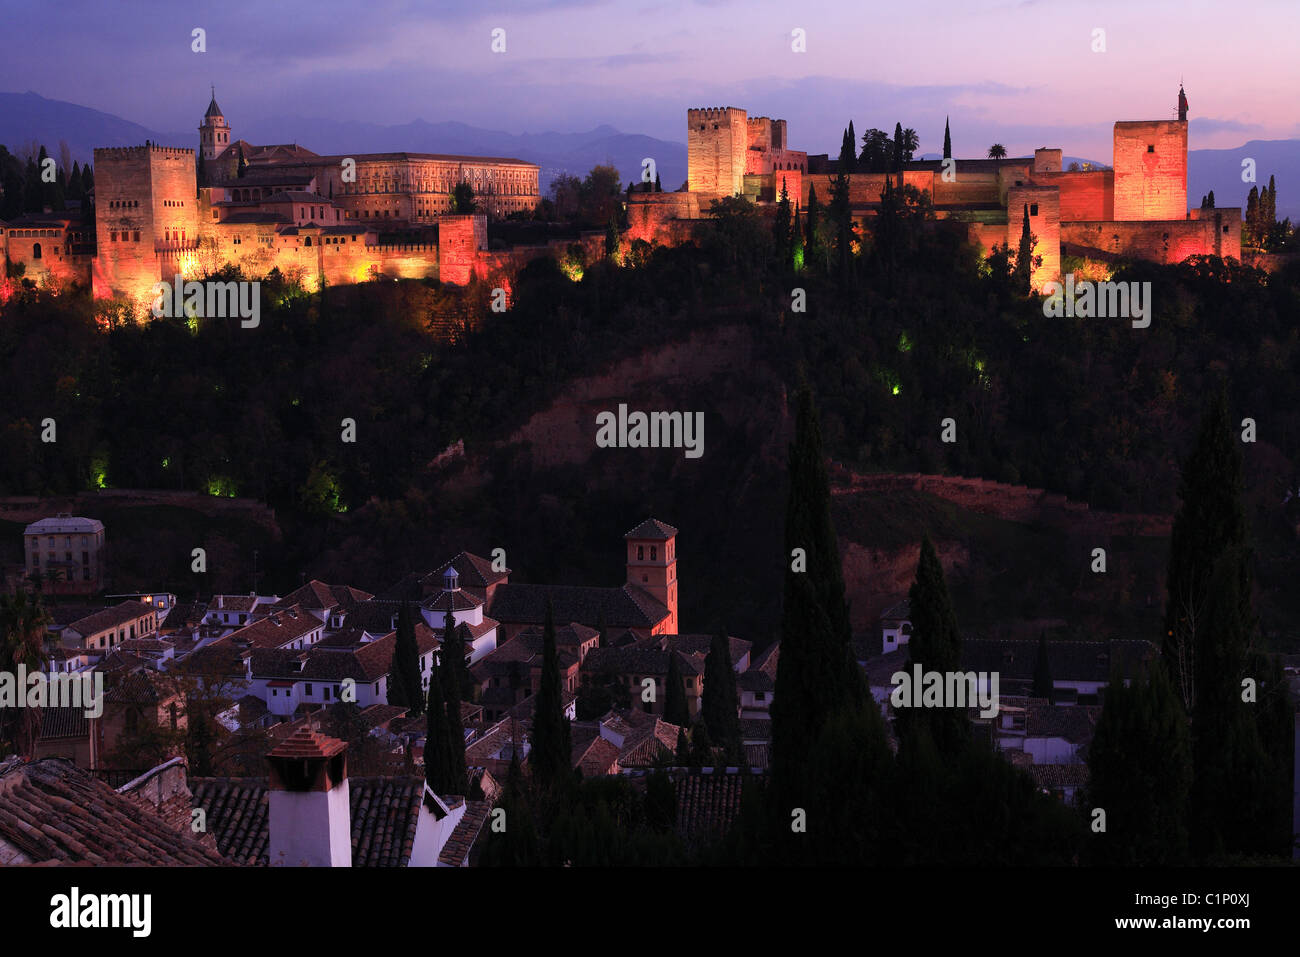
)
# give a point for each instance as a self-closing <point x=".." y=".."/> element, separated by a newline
<point x="1022" y="73"/>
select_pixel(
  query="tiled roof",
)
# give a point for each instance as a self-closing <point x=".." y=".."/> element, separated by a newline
<point x="1069" y="660"/>
<point x="652" y="529"/>
<point x="624" y="607"/>
<point x="317" y="594"/>
<point x="306" y="743"/>
<point x="898" y="612"/>
<point x="64" y="723"/>
<point x="597" y="759"/>
<point x="472" y="569"/>
<point x="277" y="629"/>
<point x="183" y="613"/>
<point x="1059" y="775"/>
<point x="458" y="600"/>
<point x="157" y="645"/>
<point x="384" y="812"/>
<point x="140" y="687"/>
<point x="1074" y="723"/>
<point x="62" y="524"/>
<point x="233" y="602"/>
<point x="110" y="618"/>
<point x="639" y="661"/>
<point x="708" y="802"/>
<point x="53" y="812"/>
<point x="456" y="852"/>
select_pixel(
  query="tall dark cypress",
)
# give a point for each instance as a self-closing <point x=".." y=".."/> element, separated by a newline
<point x="721" y="706"/>
<point x="1140" y="773"/>
<point x="439" y="763"/>
<point x="456" y="675"/>
<point x="1025" y="256"/>
<point x="816" y="674"/>
<point x="1230" y="789"/>
<point x="550" y="744"/>
<point x="404" y="685"/>
<point x="676" y="709"/>
<point x="935" y="646"/>
<point x="1210" y="521"/>
<point x="947" y="140"/>
<point x="898" y="147"/>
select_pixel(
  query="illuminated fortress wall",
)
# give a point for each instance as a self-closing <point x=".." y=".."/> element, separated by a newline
<point x="1151" y="170"/>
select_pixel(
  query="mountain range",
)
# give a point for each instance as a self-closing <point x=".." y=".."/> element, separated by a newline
<point x="27" y="117"/>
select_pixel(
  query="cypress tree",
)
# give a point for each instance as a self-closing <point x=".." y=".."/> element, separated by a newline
<point x="947" y="140"/>
<point x="1211" y="199"/>
<point x="811" y="244"/>
<point x="701" y="746"/>
<point x="935" y="646"/>
<point x="816" y="675"/>
<point x="1043" y="687"/>
<point x="1209" y="522"/>
<point x="898" y="147"/>
<point x="659" y="187"/>
<point x="850" y="149"/>
<point x="457" y="677"/>
<point x="683" y="748"/>
<point x="781" y="230"/>
<point x="721" y="708"/>
<point x="404" y="685"/>
<point x="1139" y="767"/>
<point x="1230" y="790"/>
<point x="1025" y="256"/>
<point x="1252" y="215"/>
<point x="550" y="752"/>
<point x="439" y="763"/>
<point x="676" y="710"/>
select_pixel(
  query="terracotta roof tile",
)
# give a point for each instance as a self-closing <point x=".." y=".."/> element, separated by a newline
<point x="53" y="812"/>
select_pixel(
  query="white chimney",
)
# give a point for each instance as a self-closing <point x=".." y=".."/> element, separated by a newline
<point x="310" y="817"/>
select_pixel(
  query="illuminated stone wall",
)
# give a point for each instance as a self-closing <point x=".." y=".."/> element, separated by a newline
<point x="1151" y="170"/>
<point x="717" y="141"/>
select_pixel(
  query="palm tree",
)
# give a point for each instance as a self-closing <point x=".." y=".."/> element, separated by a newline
<point x="910" y="144"/>
<point x="22" y="642"/>
<point x="997" y="151"/>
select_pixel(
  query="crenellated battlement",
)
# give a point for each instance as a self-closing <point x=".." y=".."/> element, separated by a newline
<point x="109" y="152"/>
<point x="713" y="112"/>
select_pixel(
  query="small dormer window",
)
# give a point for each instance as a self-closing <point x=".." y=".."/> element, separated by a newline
<point x="450" y="579"/>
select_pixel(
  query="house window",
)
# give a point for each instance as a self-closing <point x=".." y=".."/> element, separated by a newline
<point x="326" y="692"/>
<point x="760" y="695"/>
<point x="640" y="553"/>
<point x="654" y="553"/>
<point x="1033" y="209"/>
<point x="309" y="690"/>
<point x="1151" y="147"/>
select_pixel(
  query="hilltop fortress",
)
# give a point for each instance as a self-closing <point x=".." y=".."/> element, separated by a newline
<point x="162" y="211"/>
<point x="1136" y="210"/>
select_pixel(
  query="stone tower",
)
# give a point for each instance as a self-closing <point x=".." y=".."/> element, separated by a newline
<point x="1151" y="167"/>
<point x="145" y="213"/>
<point x="214" y="134"/>
<point x="717" y="141"/>
<point x="652" y="562"/>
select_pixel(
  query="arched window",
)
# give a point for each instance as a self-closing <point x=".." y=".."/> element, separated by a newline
<point x="36" y="250"/>
<point x="654" y="553"/>
<point x="640" y="553"/>
<point x="308" y="243"/>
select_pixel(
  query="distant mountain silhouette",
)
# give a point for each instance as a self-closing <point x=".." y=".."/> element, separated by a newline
<point x="1220" y="170"/>
<point x="27" y="116"/>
